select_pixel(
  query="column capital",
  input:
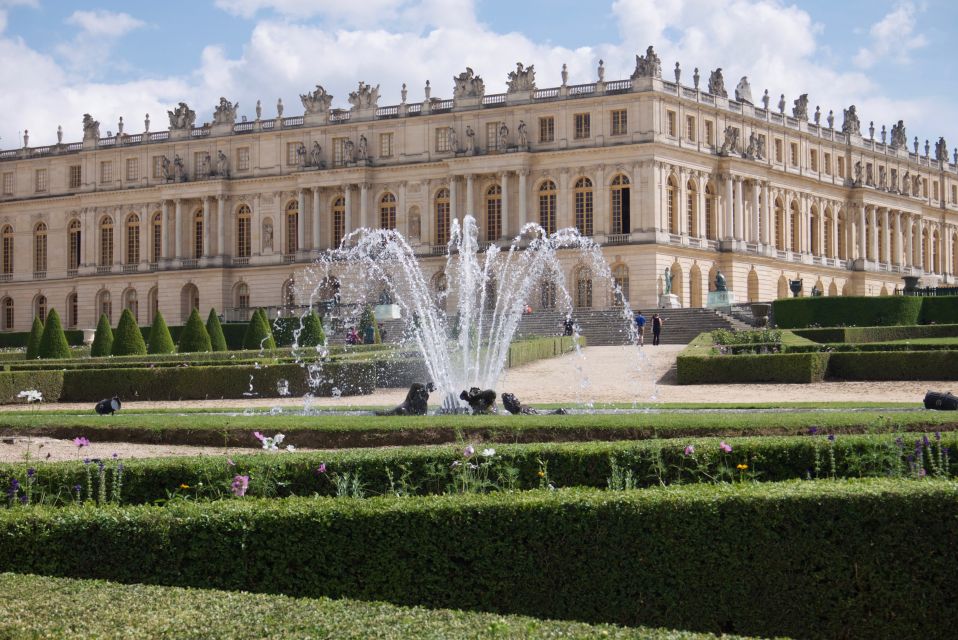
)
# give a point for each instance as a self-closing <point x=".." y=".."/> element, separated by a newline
<point x="523" y="172"/>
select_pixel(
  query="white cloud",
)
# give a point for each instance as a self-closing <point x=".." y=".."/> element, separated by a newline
<point x="893" y="34"/>
<point x="103" y="23"/>
<point x="7" y="4"/>
<point x="88" y="53"/>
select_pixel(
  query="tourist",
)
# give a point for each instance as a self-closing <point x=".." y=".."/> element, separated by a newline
<point x="640" y="327"/>
<point x="352" y="337"/>
<point x="382" y="332"/>
<point x="657" y="322"/>
<point x="569" y="326"/>
<point x="528" y="309"/>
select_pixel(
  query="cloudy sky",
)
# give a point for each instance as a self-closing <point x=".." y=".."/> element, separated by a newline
<point x="110" y="58"/>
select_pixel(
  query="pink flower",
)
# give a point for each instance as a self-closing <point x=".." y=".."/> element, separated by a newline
<point x="229" y="462"/>
<point x="469" y="451"/>
<point x="259" y="436"/>
<point x="81" y="442"/>
<point x="689" y="450"/>
<point x="726" y="448"/>
<point x="321" y="468"/>
<point x="239" y="486"/>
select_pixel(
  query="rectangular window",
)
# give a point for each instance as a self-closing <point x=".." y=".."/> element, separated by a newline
<point x="934" y="189"/>
<point x="620" y="122"/>
<point x="132" y="169"/>
<point x="793" y="148"/>
<point x="292" y="158"/>
<point x="954" y="199"/>
<point x="547" y="129"/>
<point x="583" y="126"/>
<point x="492" y="136"/>
<point x="841" y="167"/>
<point x="242" y="159"/>
<point x="200" y="167"/>
<point x="8" y="184"/>
<point x="924" y="187"/>
<point x="778" y="150"/>
<point x="385" y="145"/>
<point x="106" y="171"/>
<point x="40" y="181"/>
<point x="710" y="133"/>
<point x="690" y="128"/>
<point x="670" y="123"/>
<point x="442" y="139"/>
<point x="157" y="167"/>
<point x="813" y="159"/>
<point x="339" y="146"/>
<point x="828" y="164"/>
<point x="74" y="176"/>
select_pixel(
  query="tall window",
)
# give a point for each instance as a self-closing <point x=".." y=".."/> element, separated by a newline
<point x="387" y="211"/>
<point x="106" y="171"/>
<point x="133" y="239"/>
<point x="710" y="133"/>
<point x="153" y="300"/>
<point x="106" y="242"/>
<point x="690" y="128"/>
<point x="7" y="249"/>
<point x="582" y="195"/>
<point x="339" y="219"/>
<point x="132" y="169"/>
<point x="339" y="148"/>
<point x="157" y="167"/>
<point x="690" y="210"/>
<point x="442" y="139"/>
<point x="621" y="222"/>
<point x="620" y="277"/>
<point x="105" y="305"/>
<point x="385" y="145"/>
<point x="711" y="232"/>
<point x="583" y="287"/>
<point x="40" y="309"/>
<point x="8" y="314"/>
<point x="492" y="136"/>
<point x="198" y="223"/>
<point x="670" y="123"/>
<point x="795" y="227"/>
<point x="620" y="122"/>
<point x="547" y="206"/>
<point x="583" y="125"/>
<point x="242" y="159"/>
<point x="671" y="194"/>
<point x="242" y="296"/>
<point x="40" y="180"/>
<point x="74" y="176"/>
<point x="779" y="224"/>
<point x="547" y="129"/>
<point x="40" y="247"/>
<point x="842" y="237"/>
<point x="131" y="303"/>
<point x="493" y="213"/>
<point x="292" y="227"/>
<point x="156" y="237"/>
<point x="73" y="309"/>
<point x="827" y="250"/>
<point x="244" y="241"/>
<point x="442" y="216"/>
<point x="74" y="243"/>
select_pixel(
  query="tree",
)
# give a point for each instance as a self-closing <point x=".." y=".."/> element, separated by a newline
<point x="215" y="329"/>
<point x="103" y="339"/>
<point x="128" y="339"/>
<point x="258" y="334"/>
<point x="312" y="334"/>
<point x="33" y="342"/>
<point x="160" y="339"/>
<point x="195" y="337"/>
<point x="368" y="328"/>
<point x="54" y="343"/>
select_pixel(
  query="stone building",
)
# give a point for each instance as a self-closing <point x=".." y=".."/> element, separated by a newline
<point x="661" y="174"/>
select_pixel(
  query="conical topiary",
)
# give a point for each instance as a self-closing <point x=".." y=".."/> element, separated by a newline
<point x="33" y="342"/>
<point x="215" y="329"/>
<point x="54" y="343"/>
<point x="312" y="334"/>
<point x="128" y="339"/>
<point x="195" y="337"/>
<point x="258" y="334"/>
<point x="368" y="328"/>
<point x="160" y="339"/>
<point x="103" y="340"/>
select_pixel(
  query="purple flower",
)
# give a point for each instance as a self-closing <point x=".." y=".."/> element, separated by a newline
<point x="726" y="448"/>
<point x="938" y="436"/>
<point x="831" y="437"/>
<point x="259" y="436"/>
<point x="925" y="440"/>
<point x="86" y="461"/>
<point x="115" y="456"/>
<point x="689" y="450"/>
<point x="31" y="472"/>
<point x="899" y="442"/>
<point x="77" y="488"/>
<point x="81" y="442"/>
<point x="23" y="499"/>
<point x="944" y="450"/>
<point x="321" y="469"/>
<point x="230" y="463"/>
<point x="469" y="451"/>
<point x="239" y="486"/>
<point x="812" y="431"/>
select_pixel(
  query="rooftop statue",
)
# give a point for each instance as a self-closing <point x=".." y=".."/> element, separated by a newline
<point x="851" y="124"/>
<point x="182" y="118"/>
<point x="225" y="112"/>
<point x="647" y="66"/>
<point x="365" y="97"/>
<point x="316" y="102"/>
<point x="730" y="145"/>
<point x="717" y="84"/>
<point x="743" y="92"/>
<point x="468" y="85"/>
<point x="800" y="108"/>
<point x="522" y="79"/>
<point x="941" y="150"/>
<point x="91" y="128"/>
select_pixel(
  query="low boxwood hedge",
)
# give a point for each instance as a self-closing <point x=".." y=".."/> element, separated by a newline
<point x="860" y="335"/>
<point x="803" y="559"/>
<point x="737" y="369"/>
<point x="49" y="383"/>
<point x="894" y="365"/>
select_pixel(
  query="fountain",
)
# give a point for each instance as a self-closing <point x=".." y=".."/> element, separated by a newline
<point x="468" y="348"/>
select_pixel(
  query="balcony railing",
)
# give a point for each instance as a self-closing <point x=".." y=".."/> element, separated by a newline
<point x="104" y="268"/>
<point x="39" y="275"/>
<point x="131" y="268"/>
<point x="617" y="238"/>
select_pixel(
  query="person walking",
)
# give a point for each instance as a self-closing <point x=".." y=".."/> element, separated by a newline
<point x="640" y="327"/>
<point x="657" y="322"/>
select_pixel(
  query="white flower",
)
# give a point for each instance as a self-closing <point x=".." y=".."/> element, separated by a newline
<point x="290" y="448"/>
<point x="31" y="395"/>
<point x="488" y="453"/>
<point x="455" y="463"/>
<point x="278" y="438"/>
<point x="469" y="451"/>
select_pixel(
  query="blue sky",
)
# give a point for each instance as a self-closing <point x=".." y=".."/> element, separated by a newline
<point x="112" y="59"/>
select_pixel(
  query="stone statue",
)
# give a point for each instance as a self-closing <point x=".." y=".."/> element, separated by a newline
<point x="695" y="78"/>
<point x="882" y="177"/>
<point x="59" y="134"/>
<point x="851" y="124"/>
<point x="955" y="156"/>
<point x="717" y="84"/>
<point x="468" y="85"/>
<point x="601" y="70"/>
<point x="941" y="151"/>
<point x="871" y="130"/>
<point x="279" y="107"/>
<point x="565" y="74"/>
<point x="318" y="101"/>
<point x="427" y="90"/>
<point x="179" y="171"/>
<point x="916" y="186"/>
<point x="522" y="79"/>
<point x="893" y="183"/>
<point x="315" y="155"/>
<point x="858" y="174"/>
<point x="766" y="99"/>
<point x="781" y="104"/>
<point x="503" y="137"/>
<point x="647" y="66"/>
<point x="761" y="148"/>
<point x="167" y="169"/>
<point x="453" y="139"/>
<point x="403" y="93"/>
<point x="927" y="148"/>
<point x="203" y="170"/>
<point x="301" y="155"/>
<point x="678" y="73"/>
<point x="268" y="235"/>
<point x="743" y="91"/>
<point x="916" y="145"/>
<point x="869" y="176"/>
<point x="348" y="151"/>
<point x="362" y="149"/>
<point x="818" y="115"/>
<point x="667" y="282"/>
<point x="754" y="151"/>
<point x="364" y="97"/>
<point x="906" y="183"/>
<point x="831" y="119"/>
<point x="470" y="140"/>
<point x="884" y="134"/>
<point x="119" y="127"/>
<point x="730" y="144"/>
<point x="181" y="118"/>
<point x="222" y="165"/>
<point x="146" y="124"/>
<point x="91" y="128"/>
<point x="523" y="134"/>
<point x="225" y="112"/>
<point x="26" y="138"/>
<point x="800" y="108"/>
<point x="720" y="284"/>
<point x="259" y="110"/>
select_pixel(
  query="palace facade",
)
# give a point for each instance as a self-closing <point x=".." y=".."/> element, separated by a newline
<point x="662" y="174"/>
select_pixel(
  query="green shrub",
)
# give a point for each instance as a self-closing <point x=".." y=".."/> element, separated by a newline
<point x="103" y="340"/>
<point x="368" y="326"/>
<point x="312" y="334"/>
<point x="194" y="336"/>
<point x="895" y="365"/>
<point x="160" y="339"/>
<point x="128" y="340"/>
<point x="764" y="336"/>
<point x="215" y="329"/>
<point x="846" y="311"/>
<point x="802" y="559"/>
<point x="49" y="383"/>
<point x="53" y="344"/>
<point x="525" y="351"/>
<point x="735" y="369"/>
<point x="939" y="310"/>
<point x="33" y="342"/>
<point x="859" y="335"/>
<point x="258" y="334"/>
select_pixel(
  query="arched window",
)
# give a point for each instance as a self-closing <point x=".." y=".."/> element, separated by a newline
<point x="671" y="195"/>
<point x="7" y="249"/>
<point x="40" y="307"/>
<point x="153" y="299"/>
<point x="244" y="241"/>
<point x="289" y="293"/>
<point x="582" y="194"/>
<point x="8" y="314"/>
<point x="691" y="210"/>
<point x="133" y="239"/>
<point x="198" y="223"/>
<point x="493" y="213"/>
<point x="779" y="224"/>
<point x="132" y="303"/>
<point x="620" y="277"/>
<point x="40" y="248"/>
<point x="547" y="206"/>
<point x="156" y="237"/>
<point x="620" y="204"/>
<point x="74" y="242"/>
<point x="73" y="309"/>
<point x="547" y="295"/>
<point x="440" y="287"/>
<point x="842" y="236"/>
<point x="442" y="216"/>
<point x="711" y="229"/>
<point x="935" y="265"/>
<point x="106" y="241"/>
<point x="339" y="220"/>
<point x="104" y="305"/>
<point x="241" y="296"/>
<point x="387" y="211"/>
<point x="292" y="227"/>
<point x="795" y="227"/>
<point x="583" y="287"/>
<point x="189" y="300"/>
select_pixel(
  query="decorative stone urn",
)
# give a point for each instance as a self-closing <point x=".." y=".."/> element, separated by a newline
<point x="760" y="311"/>
<point x="795" y="286"/>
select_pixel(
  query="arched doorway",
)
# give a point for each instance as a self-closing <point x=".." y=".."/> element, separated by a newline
<point x="678" y="282"/>
<point x="189" y="300"/>
<point x="782" y="287"/>
<point x="695" y="286"/>
<point x="753" y="295"/>
<point x="583" y="287"/>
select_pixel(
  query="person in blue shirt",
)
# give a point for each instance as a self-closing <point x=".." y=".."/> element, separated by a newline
<point x="640" y="325"/>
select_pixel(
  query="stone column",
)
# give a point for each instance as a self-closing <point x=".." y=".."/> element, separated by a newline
<point x="504" y="185"/>
<point x="754" y="233"/>
<point x="470" y="196"/>
<point x="886" y="237"/>
<point x="739" y="211"/>
<point x="165" y="230"/>
<point x="767" y="236"/>
<point x="316" y="223"/>
<point x="681" y="204"/>
<point x="908" y="248"/>
<point x="727" y="228"/>
<point x="364" y="206"/>
<point x="207" y="227"/>
<point x="862" y="239"/>
<point x="522" y="197"/>
<point x="178" y="229"/>
<point x="873" y="239"/>
<point x="600" y="203"/>
<point x="119" y="240"/>
<point x="896" y="255"/>
<point x="146" y="236"/>
<point x="348" y="206"/>
<point x="453" y="197"/>
<point x="562" y="201"/>
<point x="301" y="221"/>
<point x="700" y="182"/>
<point x="221" y="225"/>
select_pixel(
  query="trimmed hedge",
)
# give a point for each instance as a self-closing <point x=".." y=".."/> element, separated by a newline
<point x="215" y="329"/>
<point x="898" y="365"/>
<point x="195" y="337"/>
<point x="53" y="344"/>
<point x="858" y="335"/>
<point x="33" y="340"/>
<point x="18" y="339"/>
<point x="49" y="383"/>
<point x="160" y="340"/>
<point x="524" y="351"/>
<point x="258" y="332"/>
<point x="803" y="559"/>
<point x="939" y="310"/>
<point x="791" y="313"/>
<point x="102" y="339"/>
<point x="779" y="367"/>
<point x="128" y="340"/>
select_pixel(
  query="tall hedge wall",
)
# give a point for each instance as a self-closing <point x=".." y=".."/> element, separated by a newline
<point x="806" y="559"/>
<point x="840" y="311"/>
<point x="939" y="310"/>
